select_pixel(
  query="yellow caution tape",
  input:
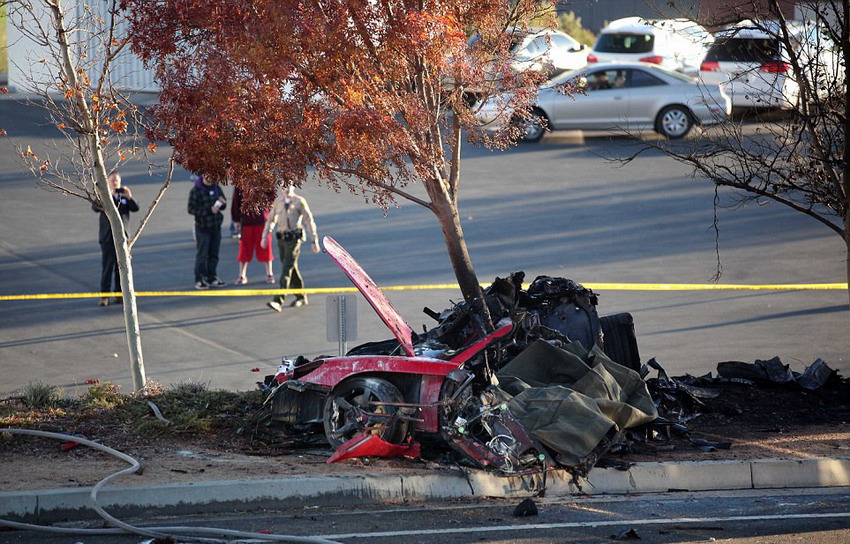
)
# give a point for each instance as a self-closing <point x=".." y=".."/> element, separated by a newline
<point x="443" y="287"/>
<point x="712" y="286"/>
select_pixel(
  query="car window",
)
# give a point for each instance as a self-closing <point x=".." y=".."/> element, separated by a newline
<point x="601" y="80"/>
<point x="696" y="33"/>
<point x="537" y="46"/>
<point x="755" y="50"/>
<point x="563" y="42"/>
<point x="615" y="42"/>
<point x="641" y="78"/>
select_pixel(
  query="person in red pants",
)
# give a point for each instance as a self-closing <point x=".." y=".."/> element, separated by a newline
<point x="250" y="221"/>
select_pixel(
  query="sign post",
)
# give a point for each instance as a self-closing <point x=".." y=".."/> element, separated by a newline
<point x="341" y="319"/>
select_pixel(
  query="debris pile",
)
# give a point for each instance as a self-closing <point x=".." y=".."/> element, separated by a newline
<point x="540" y="388"/>
<point x="766" y="394"/>
<point x="551" y="383"/>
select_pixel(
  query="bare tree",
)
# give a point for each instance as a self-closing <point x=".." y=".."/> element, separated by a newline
<point x="73" y="81"/>
<point x="799" y="158"/>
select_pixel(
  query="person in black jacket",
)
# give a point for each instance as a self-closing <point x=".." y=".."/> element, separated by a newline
<point x="123" y="199"/>
<point x="206" y="201"/>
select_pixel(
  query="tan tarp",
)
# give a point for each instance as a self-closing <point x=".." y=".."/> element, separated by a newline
<point x="572" y="399"/>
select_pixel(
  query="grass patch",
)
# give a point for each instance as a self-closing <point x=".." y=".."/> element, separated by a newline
<point x="187" y="409"/>
<point x="41" y="396"/>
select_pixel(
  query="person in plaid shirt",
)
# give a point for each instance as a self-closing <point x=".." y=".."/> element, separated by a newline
<point x="206" y="202"/>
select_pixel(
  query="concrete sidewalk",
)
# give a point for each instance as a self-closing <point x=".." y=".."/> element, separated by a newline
<point x="43" y="506"/>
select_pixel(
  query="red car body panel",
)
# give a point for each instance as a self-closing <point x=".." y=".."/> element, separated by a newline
<point x="429" y="394"/>
<point x="473" y="350"/>
<point x="399" y="327"/>
<point x="371" y="445"/>
<point x="335" y="369"/>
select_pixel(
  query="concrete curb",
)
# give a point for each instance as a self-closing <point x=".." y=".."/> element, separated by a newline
<point x="55" y="505"/>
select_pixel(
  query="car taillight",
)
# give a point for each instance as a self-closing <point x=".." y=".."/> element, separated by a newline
<point x="655" y="59"/>
<point x="775" y="67"/>
<point x="709" y="66"/>
<point x="592" y="58"/>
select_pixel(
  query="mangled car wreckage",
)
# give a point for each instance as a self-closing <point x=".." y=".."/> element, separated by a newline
<point x="516" y="400"/>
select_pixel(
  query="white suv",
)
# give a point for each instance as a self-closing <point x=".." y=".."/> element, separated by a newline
<point x="753" y="64"/>
<point x="676" y="44"/>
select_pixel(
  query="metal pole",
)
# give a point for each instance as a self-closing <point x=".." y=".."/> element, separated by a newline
<point x="341" y="320"/>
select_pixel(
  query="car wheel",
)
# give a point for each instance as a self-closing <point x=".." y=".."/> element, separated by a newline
<point x="357" y="406"/>
<point x="534" y="127"/>
<point x="674" y="122"/>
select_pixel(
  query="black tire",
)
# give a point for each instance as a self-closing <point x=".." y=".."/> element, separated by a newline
<point x="619" y="341"/>
<point x="674" y="122"/>
<point x="355" y="396"/>
<point x="534" y="128"/>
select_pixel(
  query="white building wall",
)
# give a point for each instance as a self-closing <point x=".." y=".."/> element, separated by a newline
<point x="34" y="64"/>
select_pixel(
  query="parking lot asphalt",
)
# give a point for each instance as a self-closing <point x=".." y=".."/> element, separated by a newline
<point x="560" y="208"/>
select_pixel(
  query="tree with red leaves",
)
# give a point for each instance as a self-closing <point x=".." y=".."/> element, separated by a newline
<point x="371" y="96"/>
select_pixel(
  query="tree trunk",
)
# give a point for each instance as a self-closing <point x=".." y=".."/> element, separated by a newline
<point x="131" y="316"/>
<point x="447" y="215"/>
<point x="847" y="245"/>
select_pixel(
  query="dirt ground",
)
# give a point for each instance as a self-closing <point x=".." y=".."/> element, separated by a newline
<point x="756" y="422"/>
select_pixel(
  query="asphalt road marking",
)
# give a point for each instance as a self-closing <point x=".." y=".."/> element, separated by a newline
<point x="580" y="524"/>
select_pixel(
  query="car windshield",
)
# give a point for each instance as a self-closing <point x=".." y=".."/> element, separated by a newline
<point x="755" y="50"/>
<point x="560" y="79"/>
<point x="620" y="42"/>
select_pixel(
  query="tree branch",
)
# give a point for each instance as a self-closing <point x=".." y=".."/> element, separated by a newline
<point x="379" y="184"/>
<point x="154" y="203"/>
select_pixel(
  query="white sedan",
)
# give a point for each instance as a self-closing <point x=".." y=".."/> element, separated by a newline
<point x="615" y="96"/>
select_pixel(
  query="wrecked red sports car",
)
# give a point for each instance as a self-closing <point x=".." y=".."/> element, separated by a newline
<point x="446" y="386"/>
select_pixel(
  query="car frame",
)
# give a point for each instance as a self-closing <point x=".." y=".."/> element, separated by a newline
<point x="383" y="398"/>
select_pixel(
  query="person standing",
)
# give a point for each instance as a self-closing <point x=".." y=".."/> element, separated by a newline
<point x="206" y="201"/>
<point x="250" y="222"/>
<point x="290" y="213"/>
<point x="123" y="199"/>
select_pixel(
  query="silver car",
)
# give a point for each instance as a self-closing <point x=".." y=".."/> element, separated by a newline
<point x="615" y="96"/>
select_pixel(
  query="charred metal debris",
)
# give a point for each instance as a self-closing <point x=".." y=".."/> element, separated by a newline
<point x="769" y="386"/>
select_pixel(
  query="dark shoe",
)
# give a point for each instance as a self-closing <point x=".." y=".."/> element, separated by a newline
<point x="118" y="300"/>
<point x="298" y="302"/>
<point x="217" y="283"/>
<point x="104" y="301"/>
<point x="274" y="305"/>
<point x="201" y="285"/>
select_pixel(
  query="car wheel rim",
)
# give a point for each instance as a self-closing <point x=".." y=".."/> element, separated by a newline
<point x="675" y="123"/>
<point x="532" y="129"/>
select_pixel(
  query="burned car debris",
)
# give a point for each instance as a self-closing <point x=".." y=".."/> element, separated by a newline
<point x="766" y="395"/>
<point x="515" y="400"/>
